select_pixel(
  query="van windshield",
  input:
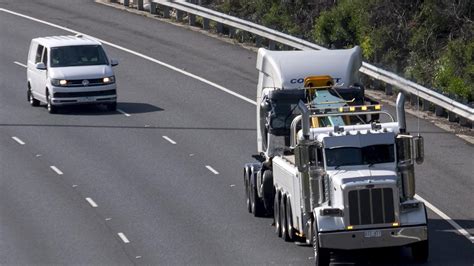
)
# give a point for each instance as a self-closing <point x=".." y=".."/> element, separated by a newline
<point x="79" y="55"/>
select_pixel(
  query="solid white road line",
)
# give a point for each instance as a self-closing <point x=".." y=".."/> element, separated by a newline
<point x="212" y="169"/>
<point x="92" y="203"/>
<point x="55" y="169"/>
<point x="20" y="64"/>
<point x="18" y="140"/>
<point x="122" y="112"/>
<point x="182" y="72"/>
<point x="448" y="219"/>
<point x="123" y="237"/>
<point x="169" y="140"/>
<point x="217" y="86"/>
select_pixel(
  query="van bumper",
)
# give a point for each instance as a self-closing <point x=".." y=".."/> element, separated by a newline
<point x="84" y="95"/>
<point x="373" y="238"/>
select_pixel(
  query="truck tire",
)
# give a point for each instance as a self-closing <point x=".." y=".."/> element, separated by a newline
<point x="268" y="191"/>
<point x="247" y="188"/>
<point x="276" y="214"/>
<point x="284" y="222"/>
<point x="258" y="209"/>
<point x="420" y="251"/>
<point x="322" y="257"/>
<point x="289" y="221"/>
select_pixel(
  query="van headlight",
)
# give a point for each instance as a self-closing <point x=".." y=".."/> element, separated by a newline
<point x="108" y="80"/>
<point x="58" y="82"/>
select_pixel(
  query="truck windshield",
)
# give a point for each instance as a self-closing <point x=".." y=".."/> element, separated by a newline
<point x="79" y="55"/>
<point x="340" y="156"/>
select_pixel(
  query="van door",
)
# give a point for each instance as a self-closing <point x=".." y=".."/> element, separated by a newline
<point x="38" y="77"/>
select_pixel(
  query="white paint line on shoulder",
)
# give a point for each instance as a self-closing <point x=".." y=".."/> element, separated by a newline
<point x="448" y="219"/>
<point x="55" y="169"/>
<point x="122" y="112"/>
<point x="215" y="85"/>
<point x="92" y="203"/>
<point x="123" y="237"/>
<point x="20" y="64"/>
<point x="18" y="140"/>
<point x="212" y="169"/>
<point x="169" y="140"/>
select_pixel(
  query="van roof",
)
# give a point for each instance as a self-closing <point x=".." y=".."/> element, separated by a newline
<point x="66" y="40"/>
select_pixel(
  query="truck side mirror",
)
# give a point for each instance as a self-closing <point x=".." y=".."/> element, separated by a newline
<point x="404" y="145"/>
<point x="40" y="66"/>
<point x="301" y="157"/>
<point x="419" y="149"/>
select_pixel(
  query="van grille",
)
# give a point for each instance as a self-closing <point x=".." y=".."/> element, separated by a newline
<point x="371" y="206"/>
<point x="84" y="94"/>
<point x="85" y="83"/>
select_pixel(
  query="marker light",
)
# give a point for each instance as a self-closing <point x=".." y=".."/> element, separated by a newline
<point x="378" y="107"/>
<point x="350" y="227"/>
<point x="395" y="224"/>
<point x="341" y="109"/>
<point x="352" y="108"/>
<point x="363" y="108"/>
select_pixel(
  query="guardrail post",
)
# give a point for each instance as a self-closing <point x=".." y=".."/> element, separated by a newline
<point x="205" y="24"/>
<point x="258" y="41"/>
<point x="271" y="45"/>
<point x="140" y="4"/>
<point x="388" y="89"/>
<point x="231" y="32"/>
<point x="413" y="99"/>
<point x="439" y="111"/>
<point x="166" y="12"/>
<point x="126" y="2"/>
<point x="452" y="117"/>
<point x="153" y="8"/>
<point x="191" y="19"/>
<point x="179" y="15"/>
<point x="425" y="105"/>
<point x="220" y="28"/>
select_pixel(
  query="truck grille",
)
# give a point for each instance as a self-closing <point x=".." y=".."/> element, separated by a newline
<point x="371" y="206"/>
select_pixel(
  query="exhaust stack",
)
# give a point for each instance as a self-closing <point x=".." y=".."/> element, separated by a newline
<point x="305" y="123"/>
<point x="401" y="113"/>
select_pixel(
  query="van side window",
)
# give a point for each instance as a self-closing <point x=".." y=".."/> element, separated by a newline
<point x="39" y="53"/>
<point x="45" y="57"/>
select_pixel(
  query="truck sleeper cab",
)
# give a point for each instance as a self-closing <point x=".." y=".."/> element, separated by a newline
<point x="70" y="70"/>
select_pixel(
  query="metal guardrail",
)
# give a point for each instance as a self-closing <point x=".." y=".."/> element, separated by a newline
<point x="441" y="102"/>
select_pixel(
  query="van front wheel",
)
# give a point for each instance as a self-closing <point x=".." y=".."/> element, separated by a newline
<point x="51" y="108"/>
<point x="32" y="99"/>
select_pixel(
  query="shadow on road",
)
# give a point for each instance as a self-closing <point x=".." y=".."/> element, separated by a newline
<point x="99" y="109"/>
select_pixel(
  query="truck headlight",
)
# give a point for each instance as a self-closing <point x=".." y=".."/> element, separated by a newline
<point x="332" y="212"/>
<point x="58" y="82"/>
<point x="110" y="79"/>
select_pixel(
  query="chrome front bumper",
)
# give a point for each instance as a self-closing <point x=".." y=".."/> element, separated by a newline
<point x="373" y="238"/>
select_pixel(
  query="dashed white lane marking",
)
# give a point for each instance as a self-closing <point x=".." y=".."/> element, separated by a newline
<point x="20" y="64"/>
<point x="217" y="86"/>
<point x="18" y="140"/>
<point x="456" y="226"/>
<point x="92" y="203"/>
<point x="177" y="70"/>
<point x="212" y="169"/>
<point x="123" y="237"/>
<point x="169" y="140"/>
<point x="55" y="169"/>
<point x="122" y="112"/>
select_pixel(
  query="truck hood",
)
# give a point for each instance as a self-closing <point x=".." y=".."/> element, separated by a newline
<point x="80" y="72"/>
<point x="345" y="176"/>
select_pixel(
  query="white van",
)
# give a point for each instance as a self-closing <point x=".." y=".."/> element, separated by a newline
<point x="68" y="70"/>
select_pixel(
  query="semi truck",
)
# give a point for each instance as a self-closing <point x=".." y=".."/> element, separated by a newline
<point x="334" y="170"/>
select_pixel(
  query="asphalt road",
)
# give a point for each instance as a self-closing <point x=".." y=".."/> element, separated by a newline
<point x="95" y="187"/>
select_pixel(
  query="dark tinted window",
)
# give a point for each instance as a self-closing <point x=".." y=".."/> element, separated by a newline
<point x="84" y="55"/>
<point x="383" y="153"/>
<point x="39" y="52"/>
<point x="45" y="57"/>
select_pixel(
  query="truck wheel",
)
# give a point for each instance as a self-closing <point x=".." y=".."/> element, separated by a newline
<point x="276" y="214"/>
<point x="247" y="188"/>
<point x="289" y="221"/>
<point x="268" y="191"/>
<point x="32" y="99"/>
<point x="284" y="222"/>
<point x="322" y="256"/>
<point x="258" y="209"/>
<point x="420" y="251"/>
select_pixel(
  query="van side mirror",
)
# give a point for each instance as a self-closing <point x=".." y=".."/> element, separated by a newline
<point x="114" y="62"/>
<point x="419" y="149"/>
<point x="40" y="66"/>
